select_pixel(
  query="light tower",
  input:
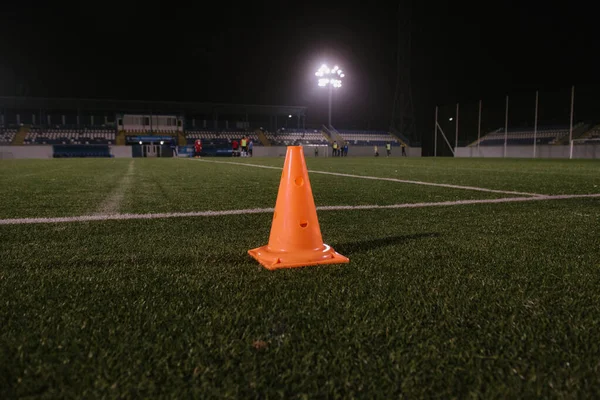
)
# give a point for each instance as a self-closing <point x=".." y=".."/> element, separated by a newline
<point x="331" y="78"/>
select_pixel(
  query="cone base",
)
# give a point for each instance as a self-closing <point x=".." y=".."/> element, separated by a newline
<point x="272" y="260"/>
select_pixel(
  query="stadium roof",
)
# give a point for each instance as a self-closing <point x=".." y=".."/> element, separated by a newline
<point x="135" y="106"/>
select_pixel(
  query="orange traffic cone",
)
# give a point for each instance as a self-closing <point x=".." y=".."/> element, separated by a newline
<point x="295" y="239"/>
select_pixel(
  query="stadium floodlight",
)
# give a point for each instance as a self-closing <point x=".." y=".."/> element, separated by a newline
<point x="332" y="78"/>
<point x="162" y="142"/>
<point x="450" y="119"/>
<point x="290" y="116"/>
<point x="140" y="142"/>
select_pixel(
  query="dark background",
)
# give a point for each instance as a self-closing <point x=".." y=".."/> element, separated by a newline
<point x="267" y="53"/>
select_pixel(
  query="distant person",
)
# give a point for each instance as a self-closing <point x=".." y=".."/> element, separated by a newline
<point x="403" y="150"/>
<point x="346" y="150"/>
<point x="250" y="148"/>
<point x="316" y="151"/>
<point x="197" y="148"/>
<point x="388" y="148"/>
<point x="335" y="148"/>
<point x="244" y="146"/>
<point x="234" y="146"/>
<point x="376" y="152"/>
<point x="174" y="147"/>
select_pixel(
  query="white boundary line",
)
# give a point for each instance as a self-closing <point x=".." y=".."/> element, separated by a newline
<point x="87" y="218"/>
<point x="377" y="178"/>
<point x="111" y="204"/>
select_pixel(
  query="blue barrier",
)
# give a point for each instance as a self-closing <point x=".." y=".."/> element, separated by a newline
<point x="80" y="150"/>
<point x="207" y="151"/>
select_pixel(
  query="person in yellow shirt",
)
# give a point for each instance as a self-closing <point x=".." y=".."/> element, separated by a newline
<point x="388" y="147"/>
<point x="244" y="146"/>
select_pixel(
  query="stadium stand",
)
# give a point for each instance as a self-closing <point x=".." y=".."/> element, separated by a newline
<point x="296" y="137"/>
<point x="7" y="135"/>
<point x="593" y="134"/>
<point x="519" y="136"/>
<point x="101" y="135"/>
<point x="219" y="137"/>
<point x="368" y="138"/>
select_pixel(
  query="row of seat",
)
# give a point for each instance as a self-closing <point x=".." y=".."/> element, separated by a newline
<point x="167" y="131"/>
<point x="230" y="136"/>
<point x="300" y="137"/>
<point x="362" y="132"/>
<point x="368" y="138"/>
<point x="542" y="136"/>
<point x="70" y="136"/>
<point x="527" y="135"/>
<point x="7" y="135"/>
<point x="516" y="141"/>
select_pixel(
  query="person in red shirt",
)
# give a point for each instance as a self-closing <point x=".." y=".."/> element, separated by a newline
<point x="197" y="148"/>
<point x="235" y="146"/>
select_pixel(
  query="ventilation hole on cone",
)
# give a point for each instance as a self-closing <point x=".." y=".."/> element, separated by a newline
<point x="299" y="181"/>
<point x="275" y="215"/>
<point x="303" y="224"/>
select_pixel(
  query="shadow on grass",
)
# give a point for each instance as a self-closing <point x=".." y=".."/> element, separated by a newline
<point x="371" y="244"/>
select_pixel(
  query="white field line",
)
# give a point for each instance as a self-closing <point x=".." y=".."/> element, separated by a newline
<point x="377" y="178"/>
<point x="84" y="218"/>
<point x="111" y="204"/>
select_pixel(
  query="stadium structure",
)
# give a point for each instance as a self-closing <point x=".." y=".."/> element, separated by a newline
<point x="104" y="128"/>
<point x="55" y="127"/>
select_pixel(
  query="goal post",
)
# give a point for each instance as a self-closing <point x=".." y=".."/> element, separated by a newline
<point x="316" y="150"/>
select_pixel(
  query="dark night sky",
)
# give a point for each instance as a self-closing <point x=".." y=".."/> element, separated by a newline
<point x="267" y="54"/>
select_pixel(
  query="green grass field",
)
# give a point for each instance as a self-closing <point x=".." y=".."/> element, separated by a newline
<point x="473" y="300"/>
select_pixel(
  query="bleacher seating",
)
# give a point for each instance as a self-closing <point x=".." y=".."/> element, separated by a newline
<point x="593" y="133"/>
<point x="368" y="138"/>
<point x="216" y="137"/>
<point x="70" y="136"/>
<point x="524" y="136"/>
<point x="590" y="136"/>
<point x="155" y="131"/>
<point x="7" y="135"/>
<point x="296" y="137"/>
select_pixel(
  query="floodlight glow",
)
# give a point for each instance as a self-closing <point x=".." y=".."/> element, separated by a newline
<point x="162" y="142"/>
<point x="290" y="116"/>
<point x="140" y="142"/>
<point x="332" y="77"/>
<point x="450" y="119"/>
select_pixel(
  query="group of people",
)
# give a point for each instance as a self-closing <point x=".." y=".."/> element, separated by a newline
<point x="342" y="151"/>
<point x="243" y="148"/>
<point x="388" y="149"/>
<point x="338" y="150"/>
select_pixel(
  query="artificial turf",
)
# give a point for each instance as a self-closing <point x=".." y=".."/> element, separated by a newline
<point x="487" y="300"/>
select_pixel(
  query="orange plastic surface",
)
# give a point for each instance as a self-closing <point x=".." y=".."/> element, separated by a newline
<point x="295" y="239"/>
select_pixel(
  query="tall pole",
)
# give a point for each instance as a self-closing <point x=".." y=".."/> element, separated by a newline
<point x="535" y="123"/>
<point x="435" y="137"/>
<point x="506" y="126"/>
<point x="330" y="96"/>
<point x="456" y="130"/>
<point x="479" y="129"/>
<point x="571" y="123"/>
